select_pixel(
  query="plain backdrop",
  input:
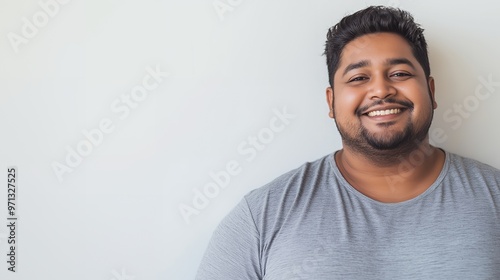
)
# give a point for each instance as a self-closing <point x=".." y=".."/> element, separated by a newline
<point x="112" y="211"/>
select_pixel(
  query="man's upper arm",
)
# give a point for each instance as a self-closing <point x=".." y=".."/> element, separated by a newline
<point x="233" y="251"/>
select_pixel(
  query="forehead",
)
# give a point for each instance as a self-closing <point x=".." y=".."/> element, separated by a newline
<point x="376" y="48"/>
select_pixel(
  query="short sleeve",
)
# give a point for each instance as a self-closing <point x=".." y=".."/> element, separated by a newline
<point x="233" y="252"/>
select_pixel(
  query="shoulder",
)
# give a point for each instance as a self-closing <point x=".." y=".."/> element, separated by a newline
<point x="473" y="172"/>
<point x="469" y="165"/>
<point x="293" y="180"/>
<point x="291" y="192"/>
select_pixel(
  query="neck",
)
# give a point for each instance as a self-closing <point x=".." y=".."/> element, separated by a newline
<point x="392" y="177"/>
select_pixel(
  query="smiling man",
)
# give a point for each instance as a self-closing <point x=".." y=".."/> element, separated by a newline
<point x="382" y="101"/>
<point x="388" y="205"/>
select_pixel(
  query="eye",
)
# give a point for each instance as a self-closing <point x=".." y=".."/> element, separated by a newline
<point x="401" y="75"/>
<point x="357" y="79"/>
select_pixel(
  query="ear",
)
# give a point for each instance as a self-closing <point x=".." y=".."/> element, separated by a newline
<point x="329" y="100"/>
<point x="432" y="89"/>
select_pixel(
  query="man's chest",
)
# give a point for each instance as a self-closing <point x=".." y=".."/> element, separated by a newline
<point x="343" y="248"/>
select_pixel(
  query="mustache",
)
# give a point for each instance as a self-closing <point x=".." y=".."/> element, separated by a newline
<point x="390" y="100"/>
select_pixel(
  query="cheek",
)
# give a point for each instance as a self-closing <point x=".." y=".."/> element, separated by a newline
<point x="419" y="95"/>
<point x="347" y="102"/>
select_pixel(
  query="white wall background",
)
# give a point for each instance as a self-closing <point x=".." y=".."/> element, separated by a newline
<point x="116" y="215"/>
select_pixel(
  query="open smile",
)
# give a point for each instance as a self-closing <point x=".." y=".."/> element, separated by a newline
<point x="384" y="112"/>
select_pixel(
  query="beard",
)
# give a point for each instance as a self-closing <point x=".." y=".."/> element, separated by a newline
<point x="385" y="147"/>
<point x="388" y="141"/>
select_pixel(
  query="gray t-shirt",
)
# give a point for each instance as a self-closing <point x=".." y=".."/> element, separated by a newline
<point x="311" y="224"/>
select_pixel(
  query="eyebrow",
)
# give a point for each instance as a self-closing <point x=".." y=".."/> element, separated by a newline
<point x="356" y="65"/>
<point x="389" y="62"/>
<point x="396" y="61"/>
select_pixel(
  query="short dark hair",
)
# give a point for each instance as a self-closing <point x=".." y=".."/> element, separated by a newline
<point x="375" y="19"/>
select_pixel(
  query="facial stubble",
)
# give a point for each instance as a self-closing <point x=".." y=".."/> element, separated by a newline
<point x="383" y="149"/>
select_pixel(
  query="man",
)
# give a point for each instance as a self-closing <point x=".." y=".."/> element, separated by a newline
<point x="388" y="205"/>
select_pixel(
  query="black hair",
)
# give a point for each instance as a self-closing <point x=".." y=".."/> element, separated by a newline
<point x="375" y="19"/>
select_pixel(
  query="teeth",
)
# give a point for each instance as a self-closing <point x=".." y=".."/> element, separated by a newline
<point x="384" y="112"/>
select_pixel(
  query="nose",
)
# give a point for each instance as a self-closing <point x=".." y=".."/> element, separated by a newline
<point x="381" y="88"/>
